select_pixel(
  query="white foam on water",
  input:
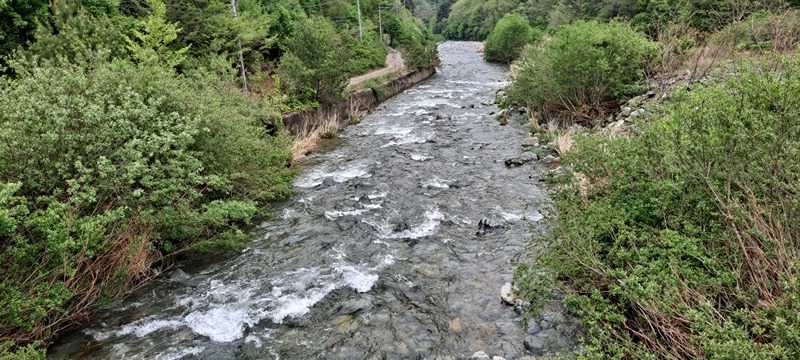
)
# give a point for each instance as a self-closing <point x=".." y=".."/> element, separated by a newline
<point x="410" y="139"/>
<point x="394" y="130"/>
<point x="290" y="213"/>
<point x="221" y="324"/>
<point x="377" y="196"/>
<point x="335" y="214"/>
<point x="297" y="305"/>
<point x="357" y="279"/>
<point x="372" y="206"/>
<point x="436" y="183"/>
<point x="427" y="228"/>
<point x="420" y="157"/>
<point x="144" y="327"/>
<point x="317" y="176"/>
<point x="253" y="339"/>
<point x="175" y="355"/>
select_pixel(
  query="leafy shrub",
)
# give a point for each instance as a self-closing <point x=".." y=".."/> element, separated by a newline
<point x="683" y="241"/>
<point x="366" y="55"/>
<point x="413" y="40"/>
<point x="315" y="59"/>
<point x="764" y="30"/>
<point x="106" y="168"/>
<point x="507" y="39"/>
<point x="475" y="19"/>
<point x="581" y="69"/>
<point x="73" y="34"/>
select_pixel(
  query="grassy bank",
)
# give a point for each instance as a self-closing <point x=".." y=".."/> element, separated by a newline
<point x="680" y="239"/>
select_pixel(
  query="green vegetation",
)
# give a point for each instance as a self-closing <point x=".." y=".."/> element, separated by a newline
<point x="475" y="19"/>
<point x="126" y="138"/>
<point x="683" y="240"/>
<point x="575" y="74"/>
<point x="506" y="41"/>
<point x="680" y="238"/>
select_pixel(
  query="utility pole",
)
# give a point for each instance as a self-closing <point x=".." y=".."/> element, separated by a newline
<point x="241" y="56"/>
<point x="380" y="24"/>
<point x="360" y="32"/>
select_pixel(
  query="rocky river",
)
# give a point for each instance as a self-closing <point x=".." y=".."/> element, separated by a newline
<point x="395" y="246"/>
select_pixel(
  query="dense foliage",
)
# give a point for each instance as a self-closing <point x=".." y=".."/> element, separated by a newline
<point x="131" y="163"/>
<point x="474" y="19"/>
<point x="582" y="67"/>
<point x="682" y="241"/>
<point x="506" y="41"/>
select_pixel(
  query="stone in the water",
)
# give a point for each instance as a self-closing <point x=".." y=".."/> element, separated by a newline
<point x="485" y="225"/>
<point x="549" y="159"/>
<point x="535" y="344"/>
<point x="530" y="141"/>
<point x="479" y="355"/>
<point x="356" y="305"/>
<point x="534" y="328"/>
<point x="400" y="227"/>
<point x="498" y="358"/>
<point x="328" y="182"/>
<point x="179" y="275"/>
<point x="508" y="294"/>
<point x="522" y="159"/>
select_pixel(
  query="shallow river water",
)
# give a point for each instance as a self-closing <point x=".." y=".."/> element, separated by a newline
<point x="378" y="254"/>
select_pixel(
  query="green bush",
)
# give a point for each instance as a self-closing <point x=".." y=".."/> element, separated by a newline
<point x="366" y="55"/>
<point x="104" y="169"/>
<point x="315" y="59"/>
<point x="763" y="31"/>
<point x="413" y="40"/>
<point x="581" y="69"/>
<point x="683" y="241"/>
<point x="508" y="37"/>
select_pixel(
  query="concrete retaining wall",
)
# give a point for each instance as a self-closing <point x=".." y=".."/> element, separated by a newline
<point x="303" y="122"/>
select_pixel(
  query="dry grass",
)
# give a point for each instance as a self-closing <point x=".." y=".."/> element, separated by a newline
<point x="563" y="142"/>
<point x="309" y="140"/>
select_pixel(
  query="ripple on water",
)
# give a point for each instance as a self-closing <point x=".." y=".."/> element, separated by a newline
<point x="387" y="230"/>
<point x="316" y="176"/>
<point x="225" y="310"/>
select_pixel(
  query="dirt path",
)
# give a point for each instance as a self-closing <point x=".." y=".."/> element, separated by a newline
<point x="394" y="62"/>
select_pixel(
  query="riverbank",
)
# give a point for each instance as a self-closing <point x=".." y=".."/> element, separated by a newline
<point x="328" y="119"/>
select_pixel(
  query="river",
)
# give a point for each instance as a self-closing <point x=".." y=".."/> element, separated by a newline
<point x="377" y="255"/>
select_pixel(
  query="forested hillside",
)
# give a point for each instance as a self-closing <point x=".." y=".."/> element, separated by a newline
<point x="673" y="127"/>
<point x="132" y="131"/>
<point x="474" y="19"/>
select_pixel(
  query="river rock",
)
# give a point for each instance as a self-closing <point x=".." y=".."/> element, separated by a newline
<point x="530" y="141"/>
<point x="356" y="305"/>
<point x="479" y="355"/>
<point x="509" y="294"/>
<point x="522" y="159"/>
<point x="179" y="275"/>
<point x="534" y="328"/>
<point x="498" y="358"/>
<point x="485" y="225"/>
<point x="535" y="344"/>
<point x="549" y="159"/>
<point x="328" y="182"/>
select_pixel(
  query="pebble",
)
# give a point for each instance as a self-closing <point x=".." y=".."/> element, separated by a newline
<point x="479" y="355"/>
